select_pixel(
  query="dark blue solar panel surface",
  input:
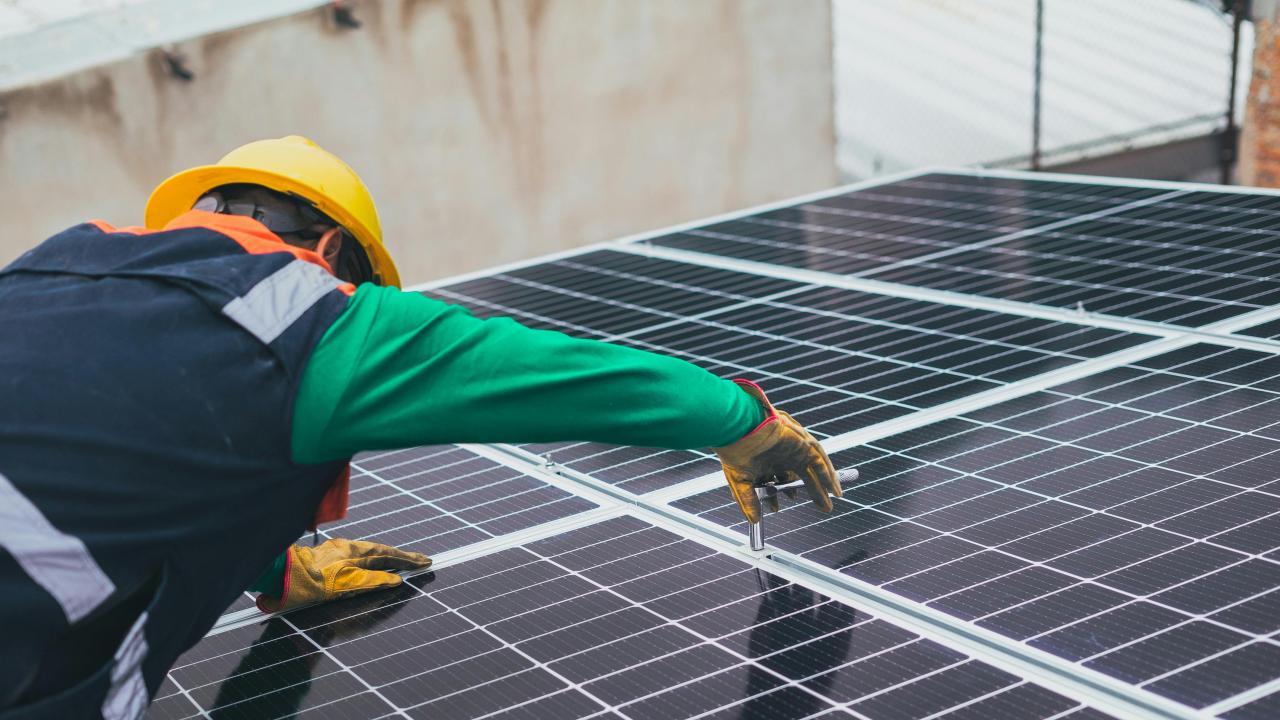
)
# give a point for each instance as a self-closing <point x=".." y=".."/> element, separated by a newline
<point x="1180" y="256"/>
<point x="1264" y="707"/>
<point x="441" y="498"/>
<point x="838" y="360"/>
<point x="1128" y="521"/>
<point x="1269" y="330"/>
<point x="434" y="499"/>
<point x="615" y="620"/>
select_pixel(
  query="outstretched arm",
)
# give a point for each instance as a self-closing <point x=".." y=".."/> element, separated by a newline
<point x="399" y="369"/>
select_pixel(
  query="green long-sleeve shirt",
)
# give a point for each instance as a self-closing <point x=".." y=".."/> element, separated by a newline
<point x="399" y="369"/>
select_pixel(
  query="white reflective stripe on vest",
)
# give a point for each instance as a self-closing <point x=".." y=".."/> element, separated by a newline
<point x="271" y="306"/>
<point x="127" y="697"/>
<point x="58" y="562"/>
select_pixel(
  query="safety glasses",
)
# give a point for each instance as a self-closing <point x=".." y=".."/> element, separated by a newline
<point x="289" y="215"/>
<point x="280" y="213"/>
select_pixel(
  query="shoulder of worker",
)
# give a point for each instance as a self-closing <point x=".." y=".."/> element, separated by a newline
<point x="252" y="236"/>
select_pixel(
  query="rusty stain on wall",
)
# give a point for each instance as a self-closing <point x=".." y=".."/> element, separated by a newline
<point x="90" y="95"/>
<point x="488" y="131"/>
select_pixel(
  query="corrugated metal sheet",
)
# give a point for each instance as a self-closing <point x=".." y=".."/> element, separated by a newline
<point x="929" y="82"/>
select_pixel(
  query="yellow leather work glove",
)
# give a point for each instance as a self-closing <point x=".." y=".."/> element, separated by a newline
<point x="340" y="568"/>
<point x="777" y="450"/>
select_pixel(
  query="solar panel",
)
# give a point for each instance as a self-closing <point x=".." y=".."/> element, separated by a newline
<point x="616" y="617"/>
<point x="437" y="499"/>
<point x="1270" y="330"/>
<point x="837" y="359"/>
<point x="1128" y="521"/>
<point x="1069" y="503"/>
<point x="1175" y="256"/>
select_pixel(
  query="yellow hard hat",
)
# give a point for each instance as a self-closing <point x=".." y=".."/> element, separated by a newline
<point x="293" y="165"/>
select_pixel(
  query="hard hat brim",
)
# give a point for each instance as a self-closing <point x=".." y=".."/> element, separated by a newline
<point x="177" y="194"/>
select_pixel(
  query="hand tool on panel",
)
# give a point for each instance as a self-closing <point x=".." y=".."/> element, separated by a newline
<point x="766" y="491"/>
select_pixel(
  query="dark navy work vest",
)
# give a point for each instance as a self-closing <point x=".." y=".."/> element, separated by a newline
<point x="147" y="386"/>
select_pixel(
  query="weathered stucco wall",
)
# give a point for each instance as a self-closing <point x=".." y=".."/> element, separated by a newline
<point x="1259" y="150"/>
<point x="488" y="130"/>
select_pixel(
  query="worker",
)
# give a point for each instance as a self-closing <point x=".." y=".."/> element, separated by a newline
<point x="180" y="402"/>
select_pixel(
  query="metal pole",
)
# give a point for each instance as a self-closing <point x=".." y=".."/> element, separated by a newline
<point x="757" y="536"/>
<point x="756" y="529"/>
<point x="1230" y="136"/>
<point x="1035" y="94"/>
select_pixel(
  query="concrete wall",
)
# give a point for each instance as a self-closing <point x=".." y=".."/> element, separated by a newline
<point x="488" y="131"/>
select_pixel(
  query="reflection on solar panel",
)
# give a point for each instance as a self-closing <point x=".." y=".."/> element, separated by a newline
<point x="1265" y="330"/>
<point x="838" y="360"/>
<point x="1175" y="256"/>
<point x="617" y="616"/>
<point x="437" y="499"/>
<point x="1069" y="501"/>
<point x="434" y="500"/>
<point x="1126" y="521"/>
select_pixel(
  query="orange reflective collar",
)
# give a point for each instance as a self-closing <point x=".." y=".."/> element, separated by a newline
<point x="249" y="234"/>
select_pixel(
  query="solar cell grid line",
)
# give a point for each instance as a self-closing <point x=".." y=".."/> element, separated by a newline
<point x="972" y="349"/>
<point x="880" y="238"/>
<point x="1182" y="197"/>
<point x="947" y="352"/>
<point x="921" y="418"/>
<point x="955" y="184"/>
<point x="675" y="466"/>
<point x="1115" y="296"/>
<point x="1267" y="705"/>
<point x="448" y="498"/>
<point x="735" y="543"/>
<point x="1270" y="330"/>
<point x="439" y="498"/>
<point x="1190" y="535"/>
<point x="868" y="237"/>
<point x="708" y="363"/>
<point x="561" y="627"/>
<point x="1188" y="241"/>
<point x="595" y="277"/>
<point x="782" y="395"/>
<point x="1138" y="247"/>
<point x="1073" y="214"/>
<point x="846" y="305"/>
<point x="1228" y="332"/>
<point x="1204" y="256"/>
<point x="429" y="286"/>
<point x="620" y="304"/>
<point x="954" y="351"/>
<point x="875" y="412"/>
<point x="1009" y="282"/>
<point x="803" y="298"/>
<point x="923" y="536"/>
